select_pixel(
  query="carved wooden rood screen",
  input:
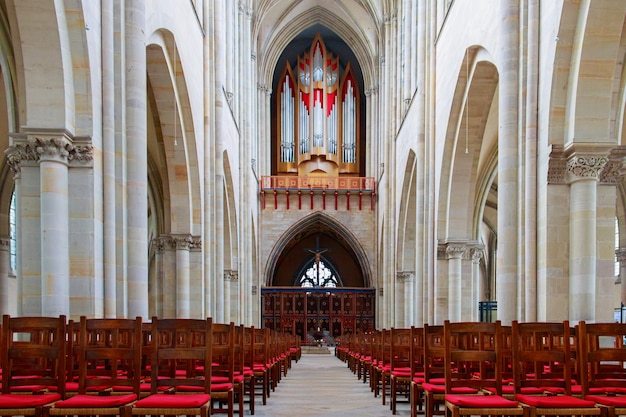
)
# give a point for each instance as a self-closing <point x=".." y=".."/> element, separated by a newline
<point x="312" y="312"/>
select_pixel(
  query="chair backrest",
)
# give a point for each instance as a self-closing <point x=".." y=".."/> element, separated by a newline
<point x="181" y="354"/>
<point x="602" y="352"/>
<point x="417" y="351"/>
<point x="473" y="355"/>
<point x="223" y="342"/>
<point x="433" y="352"/>
<point x="33" y="352"/>
<point x="542" y="356"/>
<point x="109" y="354"/>
<point x="260" y="349"/>
<point x="400" y="341"/>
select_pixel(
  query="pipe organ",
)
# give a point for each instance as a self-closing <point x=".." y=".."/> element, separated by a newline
<point x="318" y="116"/>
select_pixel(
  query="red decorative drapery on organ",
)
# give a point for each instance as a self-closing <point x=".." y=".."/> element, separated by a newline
<point x="318" y="115"/>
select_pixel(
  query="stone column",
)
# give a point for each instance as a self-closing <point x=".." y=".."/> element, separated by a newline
<point x="55" y="271"/>
<point x="108" y="159"/>
<point x="455" y="254"/>
<point x="478" y="283"/>
<point x="621" y="258"/>
<point x="182" y="277"/>
<point x="5" y="270"/>
<point x="404" y="310"/>
<point x="508" y="165"/>
<point x="156" y="287"/>
<point x="583" y="173"/>
<point x="15" y="154"/>
<point x="137" y="159"/>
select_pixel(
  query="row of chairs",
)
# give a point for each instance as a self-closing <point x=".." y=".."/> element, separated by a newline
<point x="471" y="368"/>
<point x="128" y="367"/>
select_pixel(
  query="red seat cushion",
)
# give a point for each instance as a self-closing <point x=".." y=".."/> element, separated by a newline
<point x="221" y="387"/>
<point x="95" y="401"/>
<point x="611" y="401"/>
<point x="441" y="389"/>
<point x="554" y="401"/>
<point x="173" y="401"/>
<point x="27" y="401"/>
<point x="474" y="401"/>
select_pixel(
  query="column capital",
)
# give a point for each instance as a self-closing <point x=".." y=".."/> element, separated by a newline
<point x="231" y="275"/>
<point x="620" y="254"/>
<point x="582" y="162"/>
<point x="182" y="242"/>
<point x="459" y="249"/>
<point x="405" y="276"/>
<point x="48" y="144"/>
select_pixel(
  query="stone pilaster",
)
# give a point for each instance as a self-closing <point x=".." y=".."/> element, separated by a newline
<point x="405" y="281"/>
<point x="183" y="290"/>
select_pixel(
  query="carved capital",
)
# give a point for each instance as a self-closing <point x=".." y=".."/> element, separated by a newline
<point x="195" y="243"/>
<point x="231" y="275"/>
<point x="620" y="254"/>
<point x="18" y="153"/>
<point x="585" y="167"/>
<point x="405" y="276"/>
<point x="373" y="90"/>
<point x="459" y="249"/>
<point x="182" y="242"/>
<point x="160" y="243"/>
<point x="557" y="165"/>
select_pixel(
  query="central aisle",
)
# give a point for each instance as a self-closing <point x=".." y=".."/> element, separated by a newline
<point x="323" y="386"/>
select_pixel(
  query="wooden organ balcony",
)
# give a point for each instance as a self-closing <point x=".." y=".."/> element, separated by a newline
<point x="299" y="191"/>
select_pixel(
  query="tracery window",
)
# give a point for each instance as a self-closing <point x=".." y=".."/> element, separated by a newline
<point x="318" y="115"/>
<point x="318" y="275"/>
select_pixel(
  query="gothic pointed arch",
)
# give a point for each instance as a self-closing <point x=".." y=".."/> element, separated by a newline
<point x="315" y="233"/>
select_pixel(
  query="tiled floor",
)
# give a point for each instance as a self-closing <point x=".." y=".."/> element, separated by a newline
<point x="323" y="386"/>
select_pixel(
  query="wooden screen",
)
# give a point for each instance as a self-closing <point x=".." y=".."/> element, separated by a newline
<point x="335" y="311"/>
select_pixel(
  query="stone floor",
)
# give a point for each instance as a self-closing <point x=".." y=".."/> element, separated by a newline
<point x="323" y="386"/>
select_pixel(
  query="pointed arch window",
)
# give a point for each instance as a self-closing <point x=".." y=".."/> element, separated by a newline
<point x="318" y="115"/>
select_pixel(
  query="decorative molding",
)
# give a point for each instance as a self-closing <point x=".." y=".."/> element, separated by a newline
<point x="477" y="254"/>
<point x="405" y="276"/>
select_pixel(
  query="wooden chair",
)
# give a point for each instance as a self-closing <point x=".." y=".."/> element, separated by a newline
<point x="602" y="353"/>
<point x="223" y="379"/>
<point x="473" y="359"/>
<point x="400" y="373"/>
<point x="33" y="358"/>
<point x="109" y="359"/>
<point x="432" y="385"/>
<point x="542" y="358"/>
<point x="178" y="344"/>
<point x="261" y="361"/>
<point x="248" y="366"/>
<point x="417" y="369"/>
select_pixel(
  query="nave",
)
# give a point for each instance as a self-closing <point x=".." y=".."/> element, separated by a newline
<point x="322" y="386"/>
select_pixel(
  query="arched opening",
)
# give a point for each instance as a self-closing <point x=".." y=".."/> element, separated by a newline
<point x="318" y="283"/>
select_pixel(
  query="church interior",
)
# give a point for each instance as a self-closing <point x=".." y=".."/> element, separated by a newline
<point x="313" y="166"/>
